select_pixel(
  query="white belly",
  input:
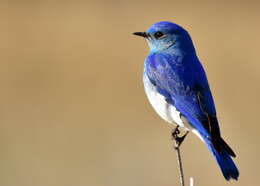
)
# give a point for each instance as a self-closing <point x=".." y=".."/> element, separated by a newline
<point x="167" y="111"/>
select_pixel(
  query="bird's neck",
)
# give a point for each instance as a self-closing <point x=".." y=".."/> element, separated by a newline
<point x="181" y="52"/>
<point x="179" y="55"/>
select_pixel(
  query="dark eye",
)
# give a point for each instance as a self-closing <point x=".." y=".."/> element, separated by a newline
<point x="158" y="34"/>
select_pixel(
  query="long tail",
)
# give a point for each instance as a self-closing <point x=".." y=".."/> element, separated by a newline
<point x="217" y="146"/>
<point x="223" y="158"/>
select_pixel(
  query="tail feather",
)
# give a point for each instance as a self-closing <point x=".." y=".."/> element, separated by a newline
<point x="224" y="160"/>
<point x="219" y="144"/>
<point x="226" y="164"/>
<point x="218" y="148"/>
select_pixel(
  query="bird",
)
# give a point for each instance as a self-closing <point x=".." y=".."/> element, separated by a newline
<point x="176" y="85"/>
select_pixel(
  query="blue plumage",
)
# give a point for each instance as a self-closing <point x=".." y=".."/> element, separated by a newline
<point x="177" y="87"/>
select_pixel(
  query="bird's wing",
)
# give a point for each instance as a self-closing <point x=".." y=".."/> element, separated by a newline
<point x="185" y="87"/>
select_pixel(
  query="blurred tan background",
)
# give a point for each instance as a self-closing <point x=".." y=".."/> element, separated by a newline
<point x="73" y="111"/>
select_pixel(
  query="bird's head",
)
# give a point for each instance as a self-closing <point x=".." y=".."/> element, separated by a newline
<point x="166" y="35"/>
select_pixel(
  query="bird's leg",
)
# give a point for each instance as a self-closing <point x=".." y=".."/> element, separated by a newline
<point x="178" y="139"/>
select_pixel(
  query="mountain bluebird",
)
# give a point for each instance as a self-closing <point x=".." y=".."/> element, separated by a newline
<point x="177" y="88"/>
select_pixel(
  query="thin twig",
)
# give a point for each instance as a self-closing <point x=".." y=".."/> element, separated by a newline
<point x="178" y="154"/>
<point x="191" y="181"/>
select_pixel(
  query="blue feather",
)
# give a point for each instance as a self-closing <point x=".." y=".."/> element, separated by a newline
<point x="225" y="162"/>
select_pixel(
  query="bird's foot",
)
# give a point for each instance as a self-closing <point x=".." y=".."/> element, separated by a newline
<point x="176" y="136"/>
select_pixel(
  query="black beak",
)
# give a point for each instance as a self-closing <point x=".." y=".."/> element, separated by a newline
<point x="142" y="34"/>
